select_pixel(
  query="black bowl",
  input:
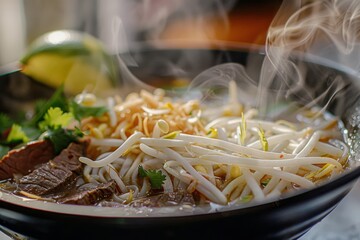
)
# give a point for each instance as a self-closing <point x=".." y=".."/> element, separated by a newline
<point x="286" y="218"/>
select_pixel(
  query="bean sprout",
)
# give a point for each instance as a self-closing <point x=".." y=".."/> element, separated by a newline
<point x="223" y="158"/>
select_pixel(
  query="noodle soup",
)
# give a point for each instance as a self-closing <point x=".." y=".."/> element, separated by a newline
<point x="149" y="150"/>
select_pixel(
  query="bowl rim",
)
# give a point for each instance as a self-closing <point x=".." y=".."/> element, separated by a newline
<point x="8" y="200"/>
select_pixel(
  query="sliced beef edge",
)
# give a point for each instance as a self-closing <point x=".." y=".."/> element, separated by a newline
<point x="25" y="159"/>
<point x="55" y="174"/>
<point x="91" y="194"/>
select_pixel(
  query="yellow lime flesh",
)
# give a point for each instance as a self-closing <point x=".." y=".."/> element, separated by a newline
<point x="78" y="61"/>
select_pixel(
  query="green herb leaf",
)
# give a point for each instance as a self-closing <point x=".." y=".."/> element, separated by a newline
<point x="4" y="150"/>
<point x="32" y="132"/>
<point x="156" y="177"/>
<point x="17" y="135"/>
<point x="55" y="118"/>
<point x="142" y="172"/>
<point x="81" y="112"/>
<point x="58" y="99"/>
<point x="5" y="122"/>
<point x="61" y="137"/>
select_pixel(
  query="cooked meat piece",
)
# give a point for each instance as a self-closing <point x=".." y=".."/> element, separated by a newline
<point x="91" y="194"/>
<point x="69" y="157"/>
<point x="25" y="159"/>
<point x="46" y="179"/>
<point x="165" y="199"/>
<point x="55" y="174"/>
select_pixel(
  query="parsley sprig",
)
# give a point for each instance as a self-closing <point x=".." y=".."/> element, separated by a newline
<point x="55" y="125"/>
<point x="156" y="177"/>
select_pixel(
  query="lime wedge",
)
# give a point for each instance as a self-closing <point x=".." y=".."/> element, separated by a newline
<point x="73" y="59"/>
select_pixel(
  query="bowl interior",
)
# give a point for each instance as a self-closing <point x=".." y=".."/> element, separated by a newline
<point x="166" y="67"/>
<point x="176" y="67"/>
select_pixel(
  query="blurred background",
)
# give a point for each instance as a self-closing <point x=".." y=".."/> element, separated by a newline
<point x="125" y="24"/>
<point x="120" y="24"/>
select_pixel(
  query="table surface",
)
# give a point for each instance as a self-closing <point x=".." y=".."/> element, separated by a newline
<point x="343" y="223"/>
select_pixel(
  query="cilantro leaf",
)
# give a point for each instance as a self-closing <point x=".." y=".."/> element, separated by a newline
<point x="32" y="132"/>
<point x="54" y="123"/>
<point x="156" y="177"/>
<point x="17" y="135"/>
<point x="61" y="137"/>
<point x="4" y="150"/>
<point x="80" y="111"/>
<point x="55" y="118"/>
<point x="5" y="122"/>
<point x="58" y="99"/>
<point x="142" y="172"/>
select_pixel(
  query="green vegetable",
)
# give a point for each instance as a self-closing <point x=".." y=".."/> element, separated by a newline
<point x="5" y="122"/>
<point x="61" y="137"/>
<point x="80" y="111"/>
<point x="142" y="172"/>
<point x="54" y="123"/>
<point x="58" y="99"/>
<point x="55" y="118"/>
<point x="156" y="178"/>
<point x="4" y="150"/>
<point x="17" y="135"/>
<point x="32" y="132"/>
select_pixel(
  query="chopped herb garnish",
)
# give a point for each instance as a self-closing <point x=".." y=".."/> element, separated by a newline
<point x="4" y="150"/>
<point x="5" y="122"/>
<point x="55" y="118"/>
<point x="142" y="172"/>
<point x="58" y="99"/>
<point x="61" y="137"/>
<point x="17" y="135"/>
<point x="54" y="123"/>
<point x="156" y="177"/>
<point x="80" y="111"/>
<point x="32" y="132"/>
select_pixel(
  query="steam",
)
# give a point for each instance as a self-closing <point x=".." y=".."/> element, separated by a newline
<point x="304" y="37"/>
<point x="322" y="31"/>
